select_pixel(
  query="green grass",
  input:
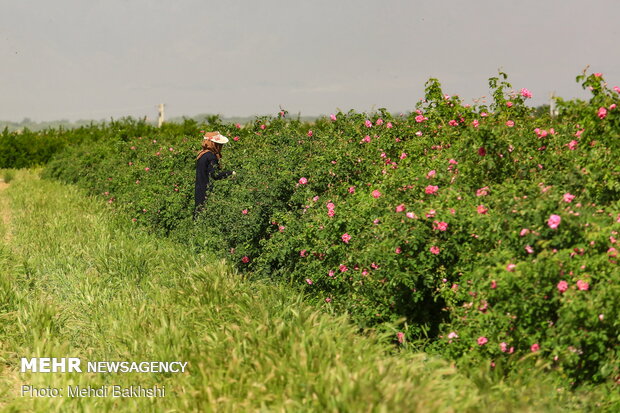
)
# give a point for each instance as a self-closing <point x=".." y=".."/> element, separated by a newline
<point x="76" y="282"/>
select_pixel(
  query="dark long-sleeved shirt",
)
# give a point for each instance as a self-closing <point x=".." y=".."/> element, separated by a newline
<point x="207" y="168"/>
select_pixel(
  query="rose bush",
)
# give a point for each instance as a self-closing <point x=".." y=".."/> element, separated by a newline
<point x="481" y="232"/>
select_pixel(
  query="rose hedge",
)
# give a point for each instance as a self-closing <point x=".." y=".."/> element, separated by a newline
<point x="479" y="232"/>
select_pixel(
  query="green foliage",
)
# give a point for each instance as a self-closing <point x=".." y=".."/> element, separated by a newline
<point x="79" y="283"/>
<point x="464" y="195"/>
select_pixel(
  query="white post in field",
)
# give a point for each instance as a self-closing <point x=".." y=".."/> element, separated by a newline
<point x="552" y="110"/>
<point x="160" y="118"/>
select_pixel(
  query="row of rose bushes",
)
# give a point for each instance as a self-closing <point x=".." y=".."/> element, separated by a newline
<point x="26" y="148"/>
<point x="478" y="232"/>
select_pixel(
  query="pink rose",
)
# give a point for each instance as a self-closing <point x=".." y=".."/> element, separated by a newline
<point x="379" y="122"/>
<point x="303" y="253"/>
<point x="475" y="123"/>
<point x="403" y="155"/>
<point x="602" y="113"/>
<point x="493" y="284"/>
<point x="346" y="238"/>
<point x="524" y="232"/>
<point x="482" y="341"/>
<point x="431" y="189"/>
<point x="420" y="118"/>
<point x="562" y="286"/>
<point x="452" y="335"/>
<point x="482" y="191"/>
<point x="482" y="210"/>
<point x="310" y="133"/>
<point x="535" y="347"/>
<point x="245" y="259"/>
<point x="529" y="249"/>
<point x="554" y="221"/>
<point x="510" y="123"/>
<point x="511" y="267"/>
<point x="583" y="285"/>
<point x="332" y="116"/>
<point x="303" y="181"/>
<point x="351" y="189"/>
<point x="398" y="250"/>
<point x="401" y="337"/>
<point x="431" y="174"/>
<point x="509" y="104"/>
<point x="244" y="212"/>
<point x="309" y="281"/>
<point x="568" y="197"/>
<point x="410" y="215"/>
<point x="389" y="125"/>
<point x="526" y="93"/>
<point x="368" y="123"/>
<point x="440" y="225"/>
<point x="434" y="250"/>
<point x="400" y="208"/>
<point x="376" y="194"/>
<point x="343" y="268"/>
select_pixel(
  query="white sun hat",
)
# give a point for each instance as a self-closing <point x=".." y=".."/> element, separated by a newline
<point x="216" y="137"/>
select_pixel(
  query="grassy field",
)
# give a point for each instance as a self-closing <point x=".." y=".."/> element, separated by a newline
<point x="75" y="282"/>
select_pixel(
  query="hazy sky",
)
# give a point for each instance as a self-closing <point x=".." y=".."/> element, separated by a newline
<point x="94" y="59"/>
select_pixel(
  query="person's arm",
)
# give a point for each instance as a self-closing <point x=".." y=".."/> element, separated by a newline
<point x="212" y="170"/>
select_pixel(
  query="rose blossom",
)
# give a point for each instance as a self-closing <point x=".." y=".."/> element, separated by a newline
<point x="346" y="238"/>
<point x="303" y="180"/>
<point x="434" y="250"/>
<point x="567" y="197"/>
<point x="376" y="194"/>
<point x="482" y="341"/>
<point x="554" y="221"/>
<point x="562" y="286"/>
<point x="431" y="189"/>
<point x="440" y="225"/>
<point x="583" y="285"/>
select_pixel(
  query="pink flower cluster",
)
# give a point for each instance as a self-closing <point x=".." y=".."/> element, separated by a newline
<point x="554" y="221"/>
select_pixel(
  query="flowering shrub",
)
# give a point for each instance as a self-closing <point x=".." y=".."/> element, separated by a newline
<point x="481" y="231"/>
